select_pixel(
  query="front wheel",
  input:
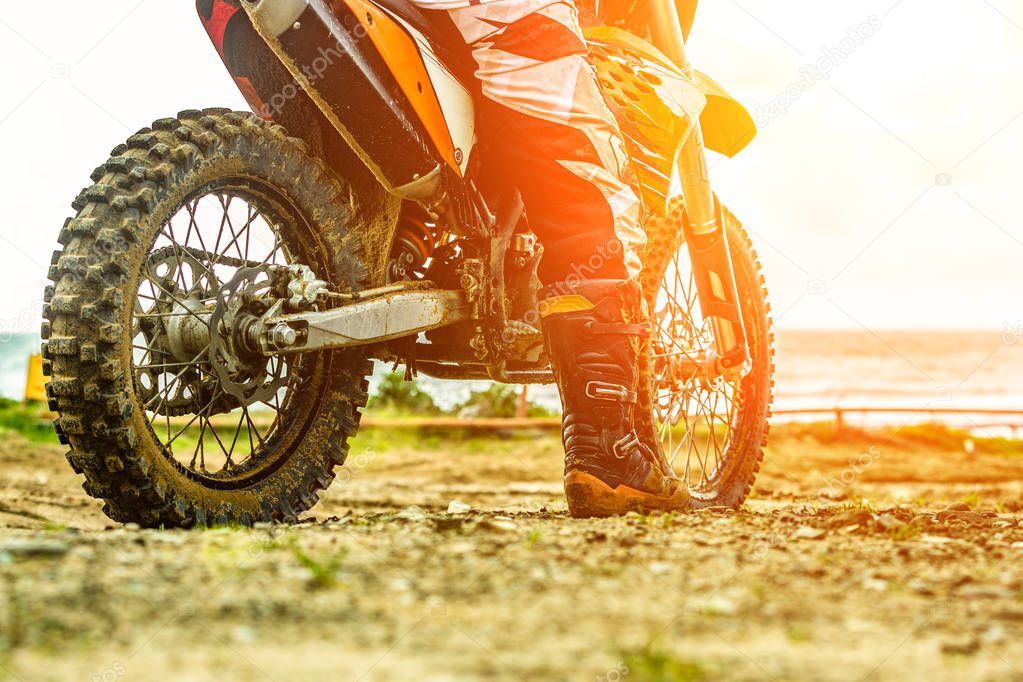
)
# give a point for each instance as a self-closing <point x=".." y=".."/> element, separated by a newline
<point x="168" y="427"/>
<point x="712" y="431"/>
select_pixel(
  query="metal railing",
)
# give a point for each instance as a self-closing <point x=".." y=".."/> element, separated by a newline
<point x="839" y="413"/>
<point x="1013" y="417"/>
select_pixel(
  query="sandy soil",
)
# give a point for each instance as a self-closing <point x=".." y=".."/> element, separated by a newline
<point x="922" y="580"/>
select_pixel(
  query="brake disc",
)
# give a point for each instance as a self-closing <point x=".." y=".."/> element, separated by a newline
<point x="244" y="375"/>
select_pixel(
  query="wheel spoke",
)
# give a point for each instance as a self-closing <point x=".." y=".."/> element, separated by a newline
<point x="694" y="419"/>
<point x="182" y="397"/>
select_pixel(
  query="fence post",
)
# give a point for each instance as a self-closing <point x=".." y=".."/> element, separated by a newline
<point x="839" y="420"/>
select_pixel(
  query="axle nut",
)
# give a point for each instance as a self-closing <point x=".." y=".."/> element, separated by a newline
<point x="283" y="336"/>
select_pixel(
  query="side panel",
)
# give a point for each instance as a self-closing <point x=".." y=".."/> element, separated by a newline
<point x="455" y="99"/>
<point x="365" y="74"/>
<point x="402" y="55"/>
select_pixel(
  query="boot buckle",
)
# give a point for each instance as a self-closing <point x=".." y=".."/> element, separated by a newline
<point x="622" y="446"/>
<point x="601" y="390"/>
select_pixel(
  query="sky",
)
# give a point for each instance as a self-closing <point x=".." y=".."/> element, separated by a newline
<point x="883" y="190"/>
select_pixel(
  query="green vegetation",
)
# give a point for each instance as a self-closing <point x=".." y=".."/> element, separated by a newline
<point x="322" y="573"/>
<point x="394" y="394"/>
<point x="905" y="532"/>
<point x="31" y="420"/>
<point x="397" y="397"/>
<point x="798" y="633"/>
<point x="497" y="401"/>
<point x="972" y="500"/>
<point x="653" y="663"/>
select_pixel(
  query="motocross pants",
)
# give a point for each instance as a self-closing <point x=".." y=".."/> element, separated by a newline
<point x="545" y="125"/>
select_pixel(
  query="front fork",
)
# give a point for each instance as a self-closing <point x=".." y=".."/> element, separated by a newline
<point x="704" y="225"/>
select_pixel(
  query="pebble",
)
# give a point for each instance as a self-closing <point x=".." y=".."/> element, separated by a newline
<point x="458" y="507"/>
<point x="875" y="584"/>
<point x="244" y="634"/>
<point x="412" y="513"/>
<point x="984" y="592"/>
<point x="852" y="517"/>
<point x="499" y="525"/>
<point x="809" y="533"/>
<point x="939" y="540"/>
<point x="994" y="634"/>
<point x="970" y="517"/>
<point x="714" y="606"/>
<point x="889" y="522"/>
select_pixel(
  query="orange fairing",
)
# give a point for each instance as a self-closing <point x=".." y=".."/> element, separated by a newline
<point x="401" y="54"/>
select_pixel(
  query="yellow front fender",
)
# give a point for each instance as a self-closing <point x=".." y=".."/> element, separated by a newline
<point x="727" y="126"/>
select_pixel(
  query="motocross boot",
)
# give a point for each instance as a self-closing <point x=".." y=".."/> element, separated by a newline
<point x="594" y="332"/>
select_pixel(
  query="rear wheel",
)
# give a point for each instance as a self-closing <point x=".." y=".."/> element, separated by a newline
<point x="712" y="432"/>
<point x="168" y="427"/>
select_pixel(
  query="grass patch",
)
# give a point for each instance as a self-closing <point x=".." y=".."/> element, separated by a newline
<point x="653" y="663"/>
<point x="31" y="420"/>
<point x="798" y="634"/>
<point x="905" y="532"/>
<point x="322" y="573"/>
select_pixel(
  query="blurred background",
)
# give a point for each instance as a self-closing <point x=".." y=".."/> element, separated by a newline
<point x="883" y="191"/>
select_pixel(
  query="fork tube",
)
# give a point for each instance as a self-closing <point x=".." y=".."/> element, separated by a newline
<point x="704" y="225"/>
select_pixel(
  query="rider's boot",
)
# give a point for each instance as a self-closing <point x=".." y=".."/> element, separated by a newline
<point x="594" y="331"/>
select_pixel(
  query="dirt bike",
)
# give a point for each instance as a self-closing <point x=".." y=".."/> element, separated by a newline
<point x="221" y="293"/>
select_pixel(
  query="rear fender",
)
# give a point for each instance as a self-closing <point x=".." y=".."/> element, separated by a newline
<point x="262" y="79"/>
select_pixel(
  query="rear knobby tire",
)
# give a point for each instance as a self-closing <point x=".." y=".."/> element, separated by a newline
<point x="87" y="329"/>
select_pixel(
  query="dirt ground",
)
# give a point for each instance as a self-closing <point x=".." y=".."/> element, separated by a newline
<point x="886" y="558"/>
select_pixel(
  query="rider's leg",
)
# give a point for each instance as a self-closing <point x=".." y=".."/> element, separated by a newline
<point x="546" y="125"/>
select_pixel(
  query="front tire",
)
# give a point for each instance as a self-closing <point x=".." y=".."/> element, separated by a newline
<point x="712" y="433"/>
<point x="113" y="397"/>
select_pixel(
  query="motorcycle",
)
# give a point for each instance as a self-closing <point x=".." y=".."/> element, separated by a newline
<point x="225" y="284"/>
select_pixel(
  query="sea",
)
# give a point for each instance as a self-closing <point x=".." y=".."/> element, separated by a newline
<point x="815" y="369"/>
